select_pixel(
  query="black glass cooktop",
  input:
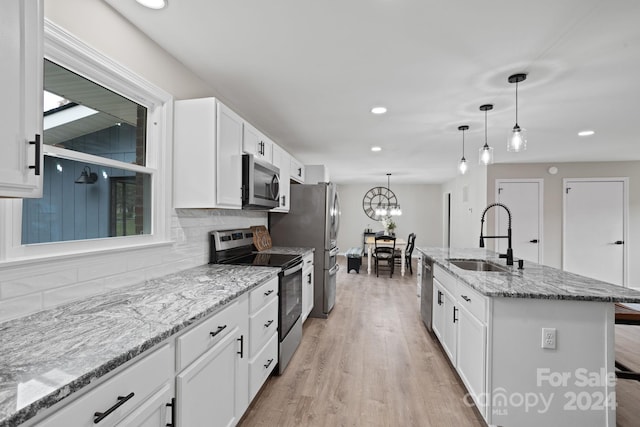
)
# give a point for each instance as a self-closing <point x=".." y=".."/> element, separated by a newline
<point x="265" y="260"/>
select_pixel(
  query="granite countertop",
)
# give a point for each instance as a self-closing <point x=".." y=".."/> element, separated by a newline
<point x="51" y="354"/>
<point x="286" y="250"/>
<point x="534" y="281"/>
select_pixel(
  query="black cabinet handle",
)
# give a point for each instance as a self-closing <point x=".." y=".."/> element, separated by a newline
<point x="300" y="172"/>
<point x="172" y="405"/>
<point x="266" y="325"/>
<point x="309" y="278"/>
<point x="269" y="292"/>
<point x="466" y="298"/>
<point x="439" y="298"/>
<point x="38" y="145"/>
<point x="269" y="362"/>
<point x="99" y="416"/>
<point x="455" y="319"/>
<point x="619" y="242"/>
<point x="220" y="329"/>
<point x="284" y="200"/>
<point x="241" y="352"/>
<point x="533" y="241"/>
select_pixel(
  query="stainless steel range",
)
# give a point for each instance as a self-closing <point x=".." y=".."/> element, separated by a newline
<point x="236" y="247"/>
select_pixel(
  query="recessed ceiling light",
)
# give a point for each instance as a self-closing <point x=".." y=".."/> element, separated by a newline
<point x="376" y="148"/>
<point x="153" y="4"/>
<point x="378" y="110"/>
<point x="586" y="133"/>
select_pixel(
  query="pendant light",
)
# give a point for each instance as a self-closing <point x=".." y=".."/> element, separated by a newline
<point x="391" y="207"/>
<point x="486" y="152"/>
<point x="462" y="167"/>
<point x="518" y="138"/>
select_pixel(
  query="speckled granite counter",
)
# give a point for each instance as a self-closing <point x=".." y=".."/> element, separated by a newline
<point x="534" y="281"/>
<point x="51" y="354"/>
<point x="288" y="250"/>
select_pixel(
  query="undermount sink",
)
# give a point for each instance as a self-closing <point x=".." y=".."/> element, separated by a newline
<point x="477" y="265"/>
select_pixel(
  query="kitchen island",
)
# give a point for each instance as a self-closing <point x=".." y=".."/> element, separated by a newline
<point x="532" y="346"/>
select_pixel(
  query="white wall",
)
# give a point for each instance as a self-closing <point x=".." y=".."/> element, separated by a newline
<point x="552" y="214"/>
<point x="31" y="286"/>
<point x="421" y="214"/>
<point x="468" y="200"/>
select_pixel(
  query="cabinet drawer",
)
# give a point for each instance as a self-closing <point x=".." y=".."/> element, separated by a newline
<point x="193" y="343"/>
<point x="262" y="325"/>
<point x="472" y="300"/>
<point x="262" y="295"/>
<point x="139" y="381"/>
<point x="447" y="280"/>
<point x="261" y="365"/>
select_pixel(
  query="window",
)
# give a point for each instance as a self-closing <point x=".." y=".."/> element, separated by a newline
<point x="107" y="174"/>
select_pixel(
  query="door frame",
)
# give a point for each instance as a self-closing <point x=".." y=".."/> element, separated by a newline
<point x="540" y="182"/>
<point x="625" y="219"/>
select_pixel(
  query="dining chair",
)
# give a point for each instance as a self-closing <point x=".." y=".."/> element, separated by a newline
<point x="397" y="255"/>
<point x="384" y="253"/>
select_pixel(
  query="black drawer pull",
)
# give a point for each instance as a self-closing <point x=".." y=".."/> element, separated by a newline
<point x="172" y="405"/>
<point x="220" y="329"/>
<point x="266" y="325"/>
<point x="439" y="298"/>
<point x="38" y="145"/>
<point x="269" y="292"/>
<point x="466" y="298"/>
<point x="309" y="278"/>
<point x="455" y="319"/>
<point x="99" y="416"/>
<point x="241" y="352"/>
<point x="269" y="362"/>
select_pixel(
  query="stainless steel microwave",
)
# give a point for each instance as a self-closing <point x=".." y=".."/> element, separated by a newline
<point x="260" y="184"/>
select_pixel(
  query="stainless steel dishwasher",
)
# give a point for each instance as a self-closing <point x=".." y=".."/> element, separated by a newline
<point x="426" y="293"/>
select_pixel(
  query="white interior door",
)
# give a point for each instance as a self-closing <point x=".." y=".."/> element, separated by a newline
<point x="595" y="213"/>
<point x="524" y="200"/>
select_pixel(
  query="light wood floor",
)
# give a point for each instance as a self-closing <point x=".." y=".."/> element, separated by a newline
<point x="373" y="363"/>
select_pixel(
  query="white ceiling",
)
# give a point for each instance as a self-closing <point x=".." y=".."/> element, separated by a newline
<point x="307" y="73"/>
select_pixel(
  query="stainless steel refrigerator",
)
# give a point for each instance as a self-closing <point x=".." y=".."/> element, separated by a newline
<point x="313" y="221"/>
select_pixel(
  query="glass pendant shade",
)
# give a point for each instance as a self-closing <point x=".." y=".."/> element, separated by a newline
<point x="485" y="155"/>
<point x="462" y="167"/>
<point x="517" y="139"/>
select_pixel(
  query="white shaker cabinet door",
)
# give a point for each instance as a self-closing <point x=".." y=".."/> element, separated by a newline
<point x="229" y="158"/>
<point x="206" y="391"/>
<point x="21" y="40"/>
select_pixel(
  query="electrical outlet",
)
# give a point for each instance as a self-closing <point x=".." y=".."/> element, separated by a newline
<point x="549" y="338"/>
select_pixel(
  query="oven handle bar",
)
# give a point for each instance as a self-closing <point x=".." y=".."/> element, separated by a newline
<point x="292" y="270"/>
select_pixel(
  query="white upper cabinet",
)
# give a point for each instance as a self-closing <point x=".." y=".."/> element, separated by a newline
<point x="21" y="163"/>
<point x="207" y="155"/>
<point x="297" y="170"/>
<point x="282" y="160"/>
<point x="254" y="142"/>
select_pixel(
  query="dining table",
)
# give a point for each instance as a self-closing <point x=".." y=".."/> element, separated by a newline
<point x="400" y="244"/>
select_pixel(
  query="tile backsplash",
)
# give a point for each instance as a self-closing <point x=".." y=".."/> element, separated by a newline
<point x="25" y="289"/>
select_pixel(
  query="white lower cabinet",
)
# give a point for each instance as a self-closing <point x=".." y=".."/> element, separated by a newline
<point x="307" y="286"/>
<point x="459" y="322"/>
<point x="213" y="390"/>
<point x="263" y="327"/>
<point x="156" y="411"/>
<point x="132" y="389"/>
<point x="205" y="376"/>
<point x="471" y="354"/>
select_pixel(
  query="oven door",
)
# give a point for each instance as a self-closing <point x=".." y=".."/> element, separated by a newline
<point x="290" y="298"/>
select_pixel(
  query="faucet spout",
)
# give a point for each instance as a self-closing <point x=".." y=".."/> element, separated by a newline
<point x="509" y="254"/>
